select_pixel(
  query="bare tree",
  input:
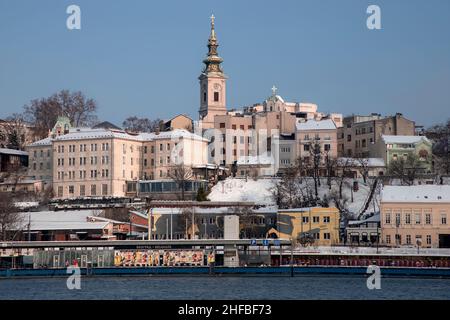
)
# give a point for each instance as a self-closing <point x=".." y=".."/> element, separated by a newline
<point x="406" y="170"/>
<point x="363" y="167"/>
<point x="440" y="135"/>
<point x="43" y="113"/>
<point x="189" y="221"/>
<point x="181" y="174"/>
<point x="10" y="219"/>
<point x="136" y="124"/>
<point x="15" y="132"/>
<point x="343" y="166"/>
<point x="330" y="165"/>
<point x="315" y="164"/>
<point x="285" y="192"/>
<point x="341" y="203"/>
<point x="13" y="175"/>
<point x="374" y="183"/>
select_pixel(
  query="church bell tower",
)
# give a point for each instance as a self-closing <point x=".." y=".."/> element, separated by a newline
<point x="212" y="84"/>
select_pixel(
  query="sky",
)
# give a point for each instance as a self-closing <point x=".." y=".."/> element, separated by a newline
<point x="143" y="58"/>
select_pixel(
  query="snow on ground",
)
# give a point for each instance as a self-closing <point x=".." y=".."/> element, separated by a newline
<point x="260" y="192"/>
<point x="233" y="189"/>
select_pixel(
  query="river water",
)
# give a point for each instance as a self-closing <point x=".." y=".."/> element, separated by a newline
<point x="204" y="287"/>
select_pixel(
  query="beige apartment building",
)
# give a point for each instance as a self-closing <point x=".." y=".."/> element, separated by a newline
<point x="86" y="162"/>
<point x="359" y="133"/>
<point x="416" y="216"/>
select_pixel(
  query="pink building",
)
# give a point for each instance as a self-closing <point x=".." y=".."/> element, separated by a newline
<point x="415" y="216"/>
<point x="323" y="132"/>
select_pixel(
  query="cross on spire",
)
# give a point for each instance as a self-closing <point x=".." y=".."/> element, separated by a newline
<point x="212" y="21"/>
<point x="274" y="90"/>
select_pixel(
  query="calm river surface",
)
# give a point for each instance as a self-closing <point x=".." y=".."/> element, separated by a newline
<point x="172" y="287"/>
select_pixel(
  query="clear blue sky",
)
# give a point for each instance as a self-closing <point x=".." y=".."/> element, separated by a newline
<point x="143" y="57"/>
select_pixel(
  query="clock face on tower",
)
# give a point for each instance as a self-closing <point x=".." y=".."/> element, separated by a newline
<point x="217" y="86"/>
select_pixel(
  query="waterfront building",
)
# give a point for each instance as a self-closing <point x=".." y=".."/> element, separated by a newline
<point x="68" y="226"/>
<point x="416" y="216"/>
<point x="314" y="226"/>
<point x="175" y="222"/>
<point x="392" y="148"/>
<point x="359" y="133"/>
<point x="364" y="232"/>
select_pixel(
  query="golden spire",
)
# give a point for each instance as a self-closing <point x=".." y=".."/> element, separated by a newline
<point x="212" y="61"/>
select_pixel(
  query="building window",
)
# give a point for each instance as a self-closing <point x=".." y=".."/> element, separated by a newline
<point x="428" y="218"/>
<point x="222" y="125"/>
<point x="104" y="189"/>
<point x="93" y="190"/>
<point x="305" y="219"/>
<point x="388" y="218"/>
<point x="326" y="219"/>
<point x="60" y="192"/>
<point x="327" y="147"/>
<point x="216" y="96"/>
<point x="388" y="239"/>
<point x="408" y="239"/>
<point x="204" y="96"/>
<point x="428" y="239"/>
<point x="443" y="218"/>
<point x="326" y="236"/>
<point x="397" y="219"/>
<point x="82" y="191"/>
<point x="417" y="214"/>
<point x="71" y="190"/>
<point x="316" y="219"/>
<point x="408" y="218"/>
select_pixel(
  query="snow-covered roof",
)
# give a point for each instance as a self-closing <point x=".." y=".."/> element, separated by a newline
<point x="13" y="152"/>
<point x="404" y="139"/>
<point x="422" y="193"/>
<point x="370" y="162"/>
<point x="87" y="133"/>
<point x="62" y="220"/>
<point x="199" y="210"/>
<point x="374" y="218"/>
<point x="327" y="124"/>
<point x="44" y="142"/>
<point x="305" y="209"/>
